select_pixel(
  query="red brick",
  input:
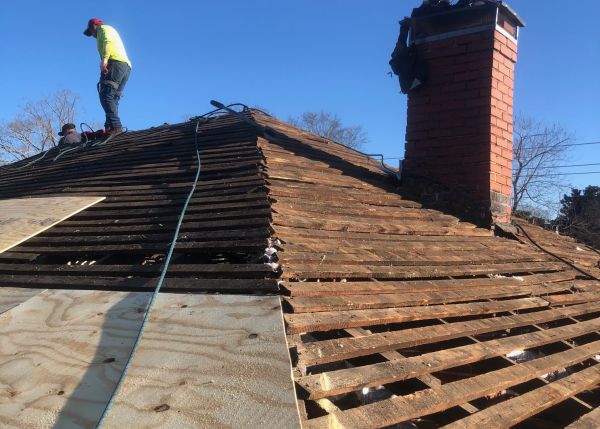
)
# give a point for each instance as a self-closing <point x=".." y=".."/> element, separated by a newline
<point x="501" y="38"/>
<point x="480" y="83"/>
<point x="496" y="187"/>
<point x="470" y="91"/>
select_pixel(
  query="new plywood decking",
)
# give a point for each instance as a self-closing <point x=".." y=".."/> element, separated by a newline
<point x="21" y="219"/>
<point x="210" y="361"/>
<point x="204" y="361"/>
<point x="11" y="297"/>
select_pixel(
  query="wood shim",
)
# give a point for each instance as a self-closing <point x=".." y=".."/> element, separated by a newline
<point x="204" y="361"/>
<point x="21" y="219"/>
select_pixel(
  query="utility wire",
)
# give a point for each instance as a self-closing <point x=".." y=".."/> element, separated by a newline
<point x="562" y="145"/>
<point x="582" y="173"/>
<point x="558" y="166"/>
<point x="532" y="168"/>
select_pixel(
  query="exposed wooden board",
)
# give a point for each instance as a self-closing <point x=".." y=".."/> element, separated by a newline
<point x="401" y="228"/>
<point x="403" y="259"/>
<point x="334" y="383"/>
<point x="589" y="421"/>
<point x="288" y="232"/>
<point x="404" y="408"/>
<point x="342" y="302"/>
<point x="428" y="379"/>
<point x="192" y="247"/>
<point x="173" y="284"/>
<point x="21" y="219"/>
<point x="345" y="348"/>
<point x="11" y="297"/>
<point x="393" y="287"/>
<point x="515" y="410"/>
<point x="381" y="272"/>
<point x="72" y="346"/>
<point x="573" y="298"/>
<point x="324" y="321"/>
<point x="221" y="361"/>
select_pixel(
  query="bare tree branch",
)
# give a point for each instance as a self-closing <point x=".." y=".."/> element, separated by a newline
<point x="330" y="126"/>
<point x="34" y="129"/>
<point x="537" y="151"/>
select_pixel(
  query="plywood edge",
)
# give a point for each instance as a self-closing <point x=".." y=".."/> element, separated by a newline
<point x="92" y="201"/>
<point x="13" y="297"/>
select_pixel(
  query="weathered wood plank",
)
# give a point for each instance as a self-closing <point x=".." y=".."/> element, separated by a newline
<point x="515" y="410"/>
<point x="325" y="321"/>
<point x="382" y="272"/>
<point x="573" y="298"/>
<point x="21" y="219"/>
<point x="347" y="380"/>
<point x="403" y="408"/>
<point x="408" y="299"/>
<point x="314" y="289"/>
<point x="346" y="348"/>
<point x="589" y="421"/>
<point x="252" y="284"/>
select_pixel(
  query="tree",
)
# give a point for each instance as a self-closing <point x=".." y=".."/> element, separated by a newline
<point x="580" y="215"/>
<point x="34" y="129"/>
<point x="538" y="150"/>
<point x="330" y="126"/>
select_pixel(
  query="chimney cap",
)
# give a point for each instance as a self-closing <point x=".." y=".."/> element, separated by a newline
<point x="511" y="12"/>
<point x="441" y="22"/>
<point x="476" y="4"/>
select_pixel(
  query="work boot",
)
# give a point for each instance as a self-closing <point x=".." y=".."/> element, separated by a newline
<point x="115" y="131"/>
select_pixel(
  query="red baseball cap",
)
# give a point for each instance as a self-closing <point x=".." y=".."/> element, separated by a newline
<point x="93" y="21"/>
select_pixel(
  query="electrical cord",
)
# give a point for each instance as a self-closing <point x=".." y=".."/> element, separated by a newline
<point x="519" y="227"/>
<point x="201" y="120"/>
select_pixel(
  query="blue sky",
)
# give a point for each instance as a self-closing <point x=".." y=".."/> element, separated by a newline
<point x="287" y="57"/>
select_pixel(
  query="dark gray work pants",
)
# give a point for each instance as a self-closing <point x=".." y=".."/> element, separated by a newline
<point x="110" y="89"/>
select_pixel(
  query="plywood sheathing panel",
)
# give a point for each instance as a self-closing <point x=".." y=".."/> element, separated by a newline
<point x="11" y="297"/>
<point x="61" y="353"/>
<point x="210" y="361"/>
<point x="21" y="219"/>
<point x="204" y="361"/>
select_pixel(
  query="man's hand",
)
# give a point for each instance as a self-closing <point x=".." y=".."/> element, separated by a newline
<point x="104" y="67"/>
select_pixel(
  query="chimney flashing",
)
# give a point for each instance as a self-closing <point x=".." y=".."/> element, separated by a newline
<point x="474" y="19"/>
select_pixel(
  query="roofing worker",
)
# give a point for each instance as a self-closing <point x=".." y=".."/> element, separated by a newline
<point x="69" y="135"/>
<point x="114" y="71"/>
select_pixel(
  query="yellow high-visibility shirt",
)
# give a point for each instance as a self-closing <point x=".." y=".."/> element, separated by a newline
<point x="110" y="45"/>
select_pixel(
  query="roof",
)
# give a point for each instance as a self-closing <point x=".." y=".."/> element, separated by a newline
<point x="394" y="312"/>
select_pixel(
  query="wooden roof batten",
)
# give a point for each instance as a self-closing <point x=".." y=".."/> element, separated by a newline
<point x="376" y="283"/>
<point x="394" y="312"/>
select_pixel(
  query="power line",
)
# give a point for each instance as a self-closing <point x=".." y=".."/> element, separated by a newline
<point x="528" y="168"/>
<point x="562" y="145"/>
<point x="559" y="166"/>
<point x="565" y="174"/>
<point x="580" y="144"/>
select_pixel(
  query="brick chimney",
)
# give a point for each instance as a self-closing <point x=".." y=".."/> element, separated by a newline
<point x="460" y="122"/>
